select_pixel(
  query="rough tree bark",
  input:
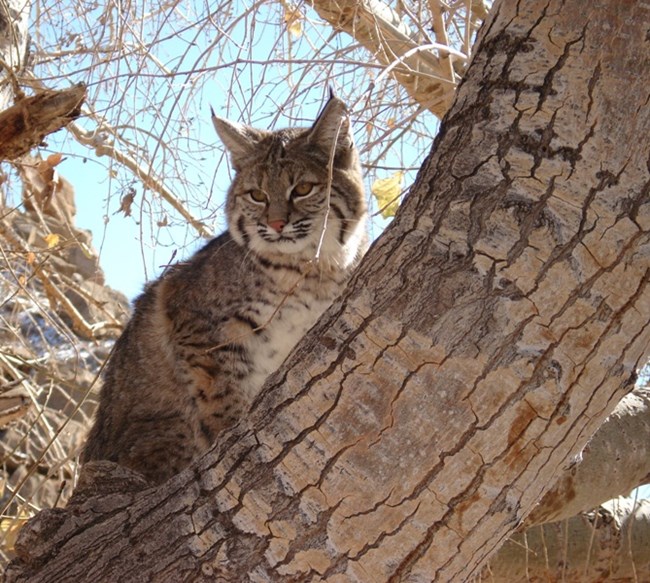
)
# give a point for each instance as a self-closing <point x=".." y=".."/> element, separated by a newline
<point x="486" y="336"/>
<point x="615" y="461"/>
<point x="606" y="544"/>
<point x="431" y="82"/>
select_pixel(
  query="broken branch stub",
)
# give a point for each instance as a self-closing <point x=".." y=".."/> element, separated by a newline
<point x="26" y="123"/>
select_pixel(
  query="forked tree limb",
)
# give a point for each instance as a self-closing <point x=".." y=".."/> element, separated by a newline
<point x="615" y="461"/>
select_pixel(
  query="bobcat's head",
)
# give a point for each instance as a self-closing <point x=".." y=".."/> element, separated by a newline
<point x="296" y="192"/>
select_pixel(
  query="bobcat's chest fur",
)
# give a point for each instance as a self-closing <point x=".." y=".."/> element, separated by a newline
<point x="283" y="331"/>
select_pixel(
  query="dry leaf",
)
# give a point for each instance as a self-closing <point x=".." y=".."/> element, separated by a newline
<point x="52" y="240"/>
<point x="31" y="257"/>
<point x="10" y="527"/>
<point x="387" y="192"/>
<point x="54" y="159"/>
<point x="126" y="201"/>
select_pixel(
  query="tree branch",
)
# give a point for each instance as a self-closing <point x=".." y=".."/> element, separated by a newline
<point x="145" y="175"/>
<point x="428" y="78"/>
<point x="24" y="125"/>
<point x="614" y="462"/>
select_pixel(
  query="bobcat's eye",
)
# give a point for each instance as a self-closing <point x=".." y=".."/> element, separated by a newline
<point x="302" y="189"/>
<point x="257" y="195"/>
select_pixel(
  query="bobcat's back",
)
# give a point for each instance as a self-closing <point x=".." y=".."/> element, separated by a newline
<point x="204" y="337"/>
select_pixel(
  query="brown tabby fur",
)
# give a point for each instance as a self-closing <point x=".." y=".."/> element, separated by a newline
<point x="204" y="337"/>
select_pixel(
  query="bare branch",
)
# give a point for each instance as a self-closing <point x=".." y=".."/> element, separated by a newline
<point x="429" y="78"/>
<point x="145" y="175"/>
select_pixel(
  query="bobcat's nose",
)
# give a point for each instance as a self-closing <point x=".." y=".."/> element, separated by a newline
<point x="277" y="225"/>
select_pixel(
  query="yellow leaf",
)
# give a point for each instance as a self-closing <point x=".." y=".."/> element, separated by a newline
<point x="292" y="18"/>
<point x="52" y="240"/>
<point x="387" y="192"/>
<point x="295" y="28"/>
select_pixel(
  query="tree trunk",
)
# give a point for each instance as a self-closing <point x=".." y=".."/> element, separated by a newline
<point x="486" y="336"/>
<point x="14" y="19"/>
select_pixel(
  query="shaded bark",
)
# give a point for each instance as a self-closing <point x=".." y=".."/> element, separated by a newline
<point x="486" y="336"/>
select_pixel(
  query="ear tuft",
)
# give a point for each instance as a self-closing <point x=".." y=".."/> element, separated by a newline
<point x="240" y="140"/>
<point x="332" y="127"/>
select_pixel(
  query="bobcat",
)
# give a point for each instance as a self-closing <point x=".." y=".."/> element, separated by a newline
<point x="204" y="337"/>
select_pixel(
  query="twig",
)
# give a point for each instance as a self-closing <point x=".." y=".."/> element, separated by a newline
<point x="147" y="177"/>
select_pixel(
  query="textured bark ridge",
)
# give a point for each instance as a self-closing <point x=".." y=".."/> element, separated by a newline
<point x="486" y="336"/>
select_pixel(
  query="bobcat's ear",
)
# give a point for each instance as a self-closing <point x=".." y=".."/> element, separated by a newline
<point x="240" y="140"/>
<point x="332" y="127"/>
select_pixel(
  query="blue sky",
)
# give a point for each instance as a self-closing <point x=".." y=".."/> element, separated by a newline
<point x="158" y="102"/>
